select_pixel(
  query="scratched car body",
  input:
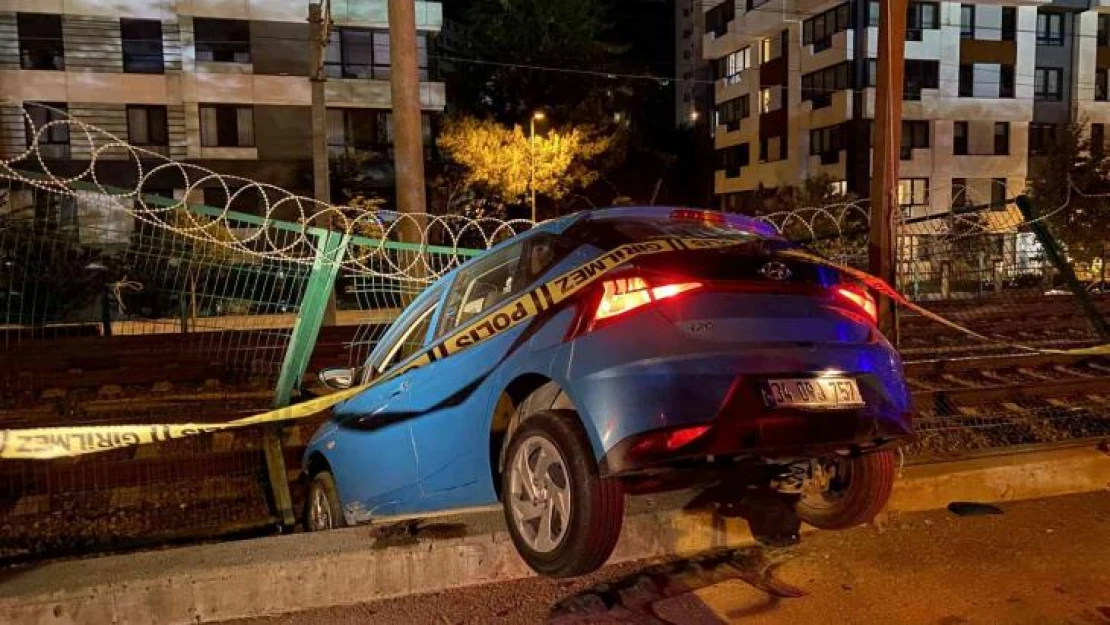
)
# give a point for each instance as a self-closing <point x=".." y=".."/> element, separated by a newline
<point x="739" y="366"/>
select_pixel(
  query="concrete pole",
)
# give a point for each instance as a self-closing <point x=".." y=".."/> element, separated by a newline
<point x="408" y="140"/>
<point x="884" y="159"/>
<point x="319" y="25"/>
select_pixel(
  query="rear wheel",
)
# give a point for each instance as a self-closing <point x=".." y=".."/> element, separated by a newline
<point x="563" y="518"/>
<point x="856" y="490"/>
<point x="324" y="510"/>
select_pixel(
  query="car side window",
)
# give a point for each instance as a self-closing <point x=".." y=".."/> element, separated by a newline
<point x="480" y="287"/>
<point x="407" y="340"/>
<point x="504" y="274"/>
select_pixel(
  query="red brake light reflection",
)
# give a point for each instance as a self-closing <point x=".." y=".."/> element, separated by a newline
<point x="861" y="300"/>
<point x="683" y="437"/>
<point x="688" y="214"/>
<point x="626" y="294"/>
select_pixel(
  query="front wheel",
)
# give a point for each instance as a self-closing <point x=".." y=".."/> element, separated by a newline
<point x="856" y="490"/>
<point x="324" y="510"/>
<point x="563" y="518"/>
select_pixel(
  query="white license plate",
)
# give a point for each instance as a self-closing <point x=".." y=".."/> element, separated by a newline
<point x="812" y="393"/>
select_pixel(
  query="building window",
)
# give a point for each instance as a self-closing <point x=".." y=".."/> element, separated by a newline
<point x="735" y="63"/>
<point x="226" y="126"/>
<point x="1001" y="138"/>
<point x="827" y="143"/>
<point x="732" y="111"/>
<point x="1103" y="30"/>
<point x="915" y="134"/>
<point x="959" y="138"/>
<point x="40" y="41"/>
<point x="770" y="48"/>
<point x="770" y="99"/>
<point x="1098" y="140"/>
<point x="913" y="192"/>
<point x="772" y="149"/>
<point x="986" y="76"/>
<point x="1041" y="138"/>
<point x="222" y="41"/>
<point x="959" y="193"/>
<point x="1050" y="29"/>
<point x="1101" y="85"/>
<point x="733" y="159"/>
<point x="142" y="46"/>
<point x="873" y="13"/>
<point x="147" y="126"/>
<point x="1048" y="84"/>
<point x="998" y="193"/>
<point x="967" y="81"/>
<point x="53" y="141"/>
<point x="1009" y="23"/>
<point x="362" y="53"/>
<point x="1006" y="81"/>
<point x="920" y="75"/>
<point x="818" y="31"/>
<point x="967" y="21"/>
<point x="922" y="16"/>
<point x="818" y="87"/>
<point x="717" y="19"/>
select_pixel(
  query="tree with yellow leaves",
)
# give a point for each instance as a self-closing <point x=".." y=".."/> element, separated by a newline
<point x="497" y="161"/>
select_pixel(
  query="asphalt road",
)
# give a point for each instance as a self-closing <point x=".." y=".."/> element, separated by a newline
<point x="1038" y="562"/>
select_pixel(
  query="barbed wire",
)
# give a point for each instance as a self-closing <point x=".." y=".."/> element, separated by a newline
<point x="375" y="251"/>
<point x="379" y="230"/>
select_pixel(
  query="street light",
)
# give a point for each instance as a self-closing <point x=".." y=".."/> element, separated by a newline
<point x="537" y="116"/>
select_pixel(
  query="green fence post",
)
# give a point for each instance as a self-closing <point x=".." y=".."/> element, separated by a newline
<point x="331" y="246"/>
<point x="1056" y="257"/>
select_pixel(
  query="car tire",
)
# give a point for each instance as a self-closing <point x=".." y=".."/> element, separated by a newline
<point x="582" y="512"/>
<point x="323" y="510"/>
<point x="856" y="500"/>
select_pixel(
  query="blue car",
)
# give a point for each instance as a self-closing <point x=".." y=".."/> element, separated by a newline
<point x="620" y="351"/>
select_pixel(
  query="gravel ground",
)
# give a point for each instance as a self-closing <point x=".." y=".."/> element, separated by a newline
<point x="1039" y="562"/>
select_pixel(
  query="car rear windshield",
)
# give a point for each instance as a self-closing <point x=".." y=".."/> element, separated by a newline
<point x="610" y="233"/>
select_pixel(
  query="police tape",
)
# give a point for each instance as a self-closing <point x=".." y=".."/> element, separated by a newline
<point x="64" y="442"/>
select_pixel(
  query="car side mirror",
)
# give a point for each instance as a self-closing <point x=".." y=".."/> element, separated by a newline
<point x="339" y="379"/>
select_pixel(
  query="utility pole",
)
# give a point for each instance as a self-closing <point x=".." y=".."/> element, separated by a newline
<point x="884" y="159"/>
<point x="408" y="139"/>
<point x="319" y="33"/>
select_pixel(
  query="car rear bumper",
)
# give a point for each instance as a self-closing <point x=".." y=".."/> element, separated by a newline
<point x="722" y="393"/>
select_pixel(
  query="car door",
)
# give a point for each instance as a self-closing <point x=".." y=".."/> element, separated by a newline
<point x="451" y="434"/>
<point x="373" y="457"/>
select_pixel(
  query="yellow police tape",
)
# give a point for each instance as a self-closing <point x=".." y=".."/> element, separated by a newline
<point x="62" y="442"/>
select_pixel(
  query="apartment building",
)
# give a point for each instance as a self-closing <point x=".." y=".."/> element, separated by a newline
<point x="220" y="83"/>
<point x="693" y="95"/>
<point x="986" y="85"/>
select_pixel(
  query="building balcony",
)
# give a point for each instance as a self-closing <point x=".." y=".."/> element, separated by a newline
<point x="746" y="81"/>
<point x="1092" y="111"/>
<point x="839" y="49"/>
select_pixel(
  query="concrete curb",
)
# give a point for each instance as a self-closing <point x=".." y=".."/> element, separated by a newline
<point x="291" y="573"/>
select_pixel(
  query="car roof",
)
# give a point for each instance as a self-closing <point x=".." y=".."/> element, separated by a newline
<point x="559" y="225"/>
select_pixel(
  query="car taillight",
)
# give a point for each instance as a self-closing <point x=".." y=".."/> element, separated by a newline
<point x="622" y="295"/>
<point x="859" y="299"/>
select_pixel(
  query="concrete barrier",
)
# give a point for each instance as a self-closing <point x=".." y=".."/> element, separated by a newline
<point x="299" y="572"/>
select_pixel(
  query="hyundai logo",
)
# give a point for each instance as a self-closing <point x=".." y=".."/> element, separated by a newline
<point x="775" y="270"/>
